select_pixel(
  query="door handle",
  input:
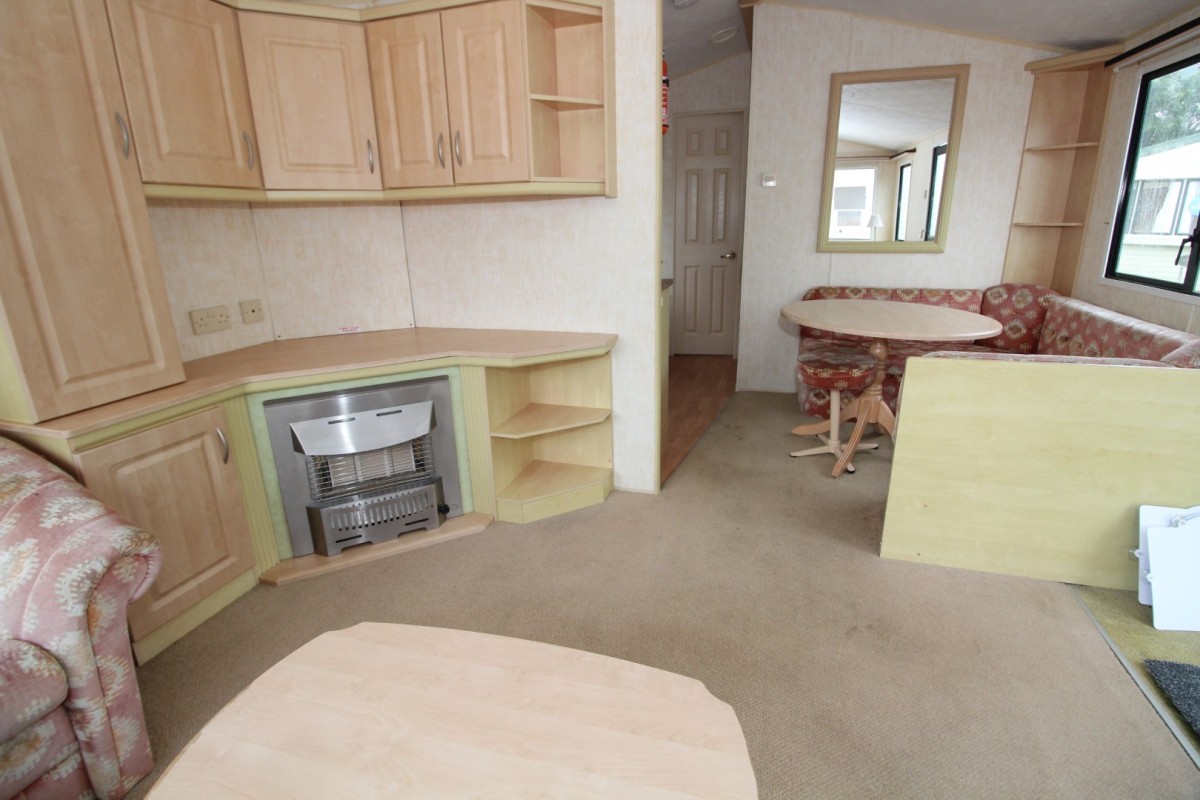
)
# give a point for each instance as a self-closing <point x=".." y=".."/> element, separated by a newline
<point x="224" y="446"/>
<point x="441" y="154"/>
<point x="249" y="150"/>
<point x="458" y="147"/>
<point x="370" y="156"/>
<point x="730" y="255"/>
<point x="125" y="141"/>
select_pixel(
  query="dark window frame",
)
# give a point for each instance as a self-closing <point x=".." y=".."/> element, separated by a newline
<point x="1127" y="194"/>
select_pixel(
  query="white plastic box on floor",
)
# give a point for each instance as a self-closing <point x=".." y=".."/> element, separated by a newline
<point x="1168" y="562"/>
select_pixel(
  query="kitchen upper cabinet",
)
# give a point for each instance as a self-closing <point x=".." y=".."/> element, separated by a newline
<point x="465" y="124"/>
<point x="185" y="85"/>
<point x="84" y="318"/>
<point x="178" y="482"/>
<point x="409" y="87"/>
<point x="310" y="89"/>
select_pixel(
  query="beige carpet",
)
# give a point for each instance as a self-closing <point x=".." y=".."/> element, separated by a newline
<point x="853" y="676"/>
<point x="1129" y="626"/>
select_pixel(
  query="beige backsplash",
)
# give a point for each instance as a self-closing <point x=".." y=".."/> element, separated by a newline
<point x="316" y="268"/>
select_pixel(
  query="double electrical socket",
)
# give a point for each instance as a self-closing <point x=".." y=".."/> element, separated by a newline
<point x="210" y="320"/>
<point x="217" y="318"/>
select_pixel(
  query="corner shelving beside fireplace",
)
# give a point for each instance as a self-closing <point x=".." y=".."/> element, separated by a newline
<point x="551" y="437"/>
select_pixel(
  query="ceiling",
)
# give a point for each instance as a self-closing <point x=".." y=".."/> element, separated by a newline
<point x="1056" y="24"/>
<point x="895" y="115"/>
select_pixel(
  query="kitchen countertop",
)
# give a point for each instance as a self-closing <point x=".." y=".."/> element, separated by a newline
<point x="321" y="355"/>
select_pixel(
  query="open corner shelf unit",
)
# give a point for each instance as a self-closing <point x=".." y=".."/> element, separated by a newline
<point x="566" y="90"/>
<point x="551" y="437"/>
<point x="1062" y="145"/>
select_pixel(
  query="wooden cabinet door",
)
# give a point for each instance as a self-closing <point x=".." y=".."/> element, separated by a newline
<point x="181" y="67"/>
<point x="409" y="87"/>
<point x="487" y="89"/>
<point x="84" y="317"/>
<point x="176" y="482"/>
<point x="310" y="88"/>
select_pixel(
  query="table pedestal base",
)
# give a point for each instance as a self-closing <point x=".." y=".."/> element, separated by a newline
<point x="832" y="443"/>
<point x="871" y="409"/>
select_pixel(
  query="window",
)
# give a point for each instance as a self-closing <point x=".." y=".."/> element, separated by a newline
<point x="936" y="179"/>
<point x="903" y="189"/>
<point x="853" y="201"/>
<point x="1155" y="228"/>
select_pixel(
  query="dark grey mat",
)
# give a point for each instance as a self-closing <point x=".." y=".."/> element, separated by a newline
<point x="1181" y="684"/>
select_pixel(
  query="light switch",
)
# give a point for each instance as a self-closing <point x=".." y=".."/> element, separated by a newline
<point x="768" y="179"/>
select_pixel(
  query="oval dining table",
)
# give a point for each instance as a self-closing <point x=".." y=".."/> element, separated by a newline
<point x="881" y="320"/>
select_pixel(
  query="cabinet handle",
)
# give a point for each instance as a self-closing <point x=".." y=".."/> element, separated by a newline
<point x="370" y="156"/>
<point x="729" y="256"/>
<point x="441" y="151"/>
<point x="249" y="150"/>
<point x="125" y="142"/>
<point x="224" y="446"/>
<point x="457" y="148"/>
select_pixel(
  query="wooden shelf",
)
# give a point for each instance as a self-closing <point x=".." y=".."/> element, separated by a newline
<point x="564" y="103"/>
<point x="295" y="569"/>
<point x="1047" y="224"/>
<point x="1047" y="148"/>
<point x="538" y="418"/>
<point x="546" y="488"/>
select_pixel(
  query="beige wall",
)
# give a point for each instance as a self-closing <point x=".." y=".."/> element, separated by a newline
<point x="724" y="86"/>
<point x="586" y="264"/>
<point x="316" y="269"/>
<point x="796" y="50"/>
<point x="1156" y="306"/>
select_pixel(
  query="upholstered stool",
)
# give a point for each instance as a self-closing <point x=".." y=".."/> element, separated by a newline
<point x="833" y="367"/>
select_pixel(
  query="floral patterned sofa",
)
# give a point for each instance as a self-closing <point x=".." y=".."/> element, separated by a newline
<point x="71" y="723"/>
<point x="1038" y="325"/>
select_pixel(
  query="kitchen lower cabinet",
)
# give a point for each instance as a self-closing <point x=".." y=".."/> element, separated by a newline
<point x="178" y="481"/>
<point x="84" y="318"/>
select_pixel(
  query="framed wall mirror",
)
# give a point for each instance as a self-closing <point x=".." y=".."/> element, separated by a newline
<point x="890" y="154"/>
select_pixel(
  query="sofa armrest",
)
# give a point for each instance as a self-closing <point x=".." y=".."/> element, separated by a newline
<point x="69" y="568"/>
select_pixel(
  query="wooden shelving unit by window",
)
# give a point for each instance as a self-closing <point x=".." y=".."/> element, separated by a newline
<point x="551" y="434"/>
<point x="1062" y="143"/>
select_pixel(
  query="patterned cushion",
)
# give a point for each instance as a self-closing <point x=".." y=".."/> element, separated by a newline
<point x="835" y="366"/>
<point x="1076" y="328"/>
<point x="1021" y="309"/>
<point x="814" y="401"/>
<point x="31" y="684"/>
<point x="1187" y="356"/>
<point x="48" y="748"/>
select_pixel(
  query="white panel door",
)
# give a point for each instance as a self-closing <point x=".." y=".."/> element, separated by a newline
<point x="709" y="193"/>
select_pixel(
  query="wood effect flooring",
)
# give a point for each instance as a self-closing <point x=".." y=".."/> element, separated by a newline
<point x="697" y="388"/>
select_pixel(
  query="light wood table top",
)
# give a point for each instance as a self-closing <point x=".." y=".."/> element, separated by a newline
<point x="887" y="319"/>
<point x="390" y="711"/>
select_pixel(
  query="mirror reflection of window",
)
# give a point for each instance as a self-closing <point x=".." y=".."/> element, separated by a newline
<point x="853" y="201"/>
<point x="893" y="120"/>
<point x="903" y="189"/>
<point x="936" y="183"/>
